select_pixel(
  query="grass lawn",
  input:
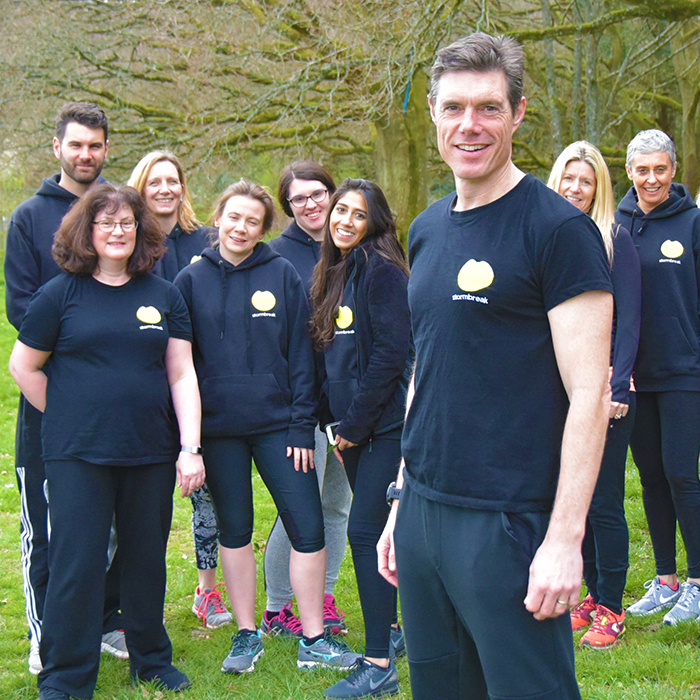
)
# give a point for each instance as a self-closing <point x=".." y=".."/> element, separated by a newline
<point x="653" y="662"/>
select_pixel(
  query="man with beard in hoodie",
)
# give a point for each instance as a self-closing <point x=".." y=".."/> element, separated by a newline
<point x="81" y="146"/>
<point x="665" y="226"/>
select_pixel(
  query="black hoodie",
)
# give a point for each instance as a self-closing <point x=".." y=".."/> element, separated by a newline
<point x="28" y="260"/>
<point x="300" y="249"/>
<point x="668" y="243"/>
<point x="252" y="349"/>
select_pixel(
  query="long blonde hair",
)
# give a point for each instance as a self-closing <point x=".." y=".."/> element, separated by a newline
<point x="603" y="208"/>
<point x="185" y="213"/>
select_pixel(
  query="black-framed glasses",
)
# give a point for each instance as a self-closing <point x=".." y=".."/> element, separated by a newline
<point x="300" y="200"/>
<point x="108" y="226"/>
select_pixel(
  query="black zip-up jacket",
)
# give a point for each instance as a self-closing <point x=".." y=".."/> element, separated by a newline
<point x="28" y="260"/>
<point x="668" y="244"/>
<point x="252" y="349"/>
<point x="181" y="248"/>
<point x="376" y="394"/>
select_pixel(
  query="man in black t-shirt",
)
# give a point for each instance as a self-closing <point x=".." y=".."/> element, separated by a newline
<point x="511" y="311"/>
<point x="80" y="145"/>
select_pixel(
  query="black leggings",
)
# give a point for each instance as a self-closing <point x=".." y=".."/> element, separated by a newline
<point x="295" y="493"/>
<point x="665" y="445"/>
<point x="371" y="468"/>
<point x="606" y="544"/>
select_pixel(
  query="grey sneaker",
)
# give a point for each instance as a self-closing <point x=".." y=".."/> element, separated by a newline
<point x="366" y="681"/>
<point x="209" y="607"/>
<point x="658" y="597"/>
<point x="114" y="643"/>
<point x="688" y="606"/>
<point x="246" y="649"/>
<point x="328" y="652"/>
<point x="397" y="643"/>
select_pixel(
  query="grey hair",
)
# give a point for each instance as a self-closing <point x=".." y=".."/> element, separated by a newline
<point x="482" y="53"/>
<point x="650" y="141"/>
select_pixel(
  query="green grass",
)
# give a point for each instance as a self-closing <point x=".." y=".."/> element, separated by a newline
<point x="653" y="662"/>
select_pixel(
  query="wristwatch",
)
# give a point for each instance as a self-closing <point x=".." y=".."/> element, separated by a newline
<point x="393" y="493"/>
<point x="190" y="449"/>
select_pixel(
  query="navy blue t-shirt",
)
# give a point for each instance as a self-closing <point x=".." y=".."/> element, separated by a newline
<point x="485" y="426"/>
<point x="108" y="398"/>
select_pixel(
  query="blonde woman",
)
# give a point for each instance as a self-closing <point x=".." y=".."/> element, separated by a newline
<point x="160" y="179"/>
<point x="581" y="176"/>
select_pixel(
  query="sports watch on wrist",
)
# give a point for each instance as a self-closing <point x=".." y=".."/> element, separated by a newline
<point x="191" y="449"/>
<point x="393" y="493"/>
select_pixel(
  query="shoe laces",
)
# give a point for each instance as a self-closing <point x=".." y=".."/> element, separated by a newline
<point x="688" y="596"/>
<point x="213" y="598"/>
<point x="336" y="644"/>
<point x="362" y="669"/>
<point x="603" y="616"/>
<point x="331" y="610"/>
<point x="242" y="643"/>
<point x="289" y="619"/>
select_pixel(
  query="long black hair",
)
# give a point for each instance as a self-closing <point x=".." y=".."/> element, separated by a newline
<point x="332" y="270"/>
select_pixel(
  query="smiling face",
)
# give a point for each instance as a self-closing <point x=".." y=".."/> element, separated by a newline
<point x="114" y="248"/>
<point x="348" y="221"/>
<point x="311" y="216"/>
<point x="82" y="152"/>
<point x="651" y="175"/>
<point x="475" y="124"/>
<point x="240" y="227"/>
<point x="578" y="184"/>
<point x="163" y="189"/>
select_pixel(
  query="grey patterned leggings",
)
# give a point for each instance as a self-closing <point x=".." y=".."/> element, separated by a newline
<point x="204" y="529"/>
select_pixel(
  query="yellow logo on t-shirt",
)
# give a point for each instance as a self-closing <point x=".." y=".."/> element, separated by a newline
<point x="263" y="301"/>
<point x="672" y="249"/>
<point x="344" y="318"/>
<point x="148" y="314"/>
<point x="474" y="275"/>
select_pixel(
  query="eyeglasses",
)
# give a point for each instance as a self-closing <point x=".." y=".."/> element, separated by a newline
<point x="300" y="200"/>
<point x="108" y="226"/>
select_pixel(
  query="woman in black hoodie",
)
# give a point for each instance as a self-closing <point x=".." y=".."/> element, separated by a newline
<point x="361" y="321"/>
<point x="665" y="227"/>
<point x="254" y="363"/>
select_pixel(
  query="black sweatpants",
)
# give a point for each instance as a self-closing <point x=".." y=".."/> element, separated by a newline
<point x="463" y="576"/>
<point x="665" y="446"/>
<point x="371" y="467"/>
<point x="84" y="497"/>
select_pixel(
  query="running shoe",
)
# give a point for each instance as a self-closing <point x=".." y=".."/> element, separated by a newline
<point x="366" y="681"/>
<point x="282" y="624"/>
<point x="210" y="608"/>
<point x="688" y="606"/>
<point x="606" y="629"/>
<point x="333" y="616"/>
<point x="34" y="660"/>
<point x="52" y="694"/>
<point x="327" y="652"/>
<point x="658" y="597"/>
<point x="397" y="643"/>
<point x="246" y="649"/>
<point x="582" y="613"/>
<point x="114" y="643"/>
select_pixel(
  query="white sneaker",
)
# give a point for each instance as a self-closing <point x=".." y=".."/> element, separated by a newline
<point x="688" y="606"/>
<point x="34" y="660"/>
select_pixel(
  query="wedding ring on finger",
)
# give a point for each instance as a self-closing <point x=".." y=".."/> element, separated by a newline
<point x="563" y="602"/>
<point x="618" y="416"/>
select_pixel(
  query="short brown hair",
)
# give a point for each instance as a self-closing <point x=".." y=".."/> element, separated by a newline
<point x="482" y="53"/>
<point x="301" y="170"/>
<point x="83" y="113"/>
<point x="245" y="188"/>
<point x="73" y="250"/>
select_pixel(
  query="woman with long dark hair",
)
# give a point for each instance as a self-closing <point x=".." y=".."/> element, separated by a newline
<point x="360" y="320"/>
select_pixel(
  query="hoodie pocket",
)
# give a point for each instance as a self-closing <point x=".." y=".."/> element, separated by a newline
<point x="242" y="404"/>
<point x="665" y="347"/>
